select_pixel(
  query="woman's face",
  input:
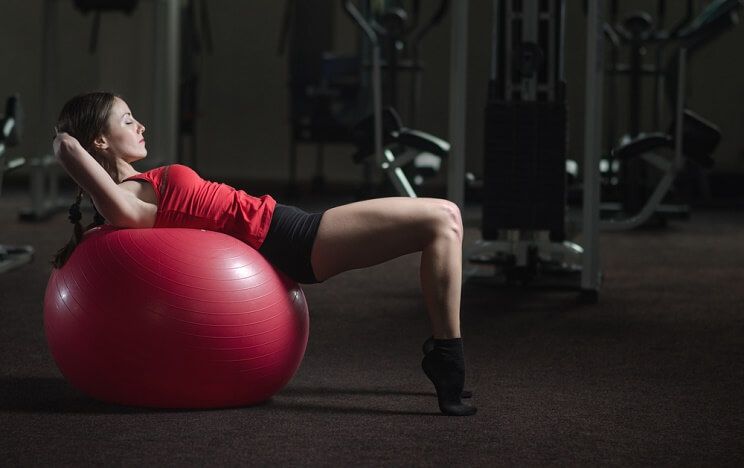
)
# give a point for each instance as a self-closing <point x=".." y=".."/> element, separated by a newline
<point x="124" y="137"/>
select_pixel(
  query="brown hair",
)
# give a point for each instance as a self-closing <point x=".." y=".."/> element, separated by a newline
<point x="85" y="117"/>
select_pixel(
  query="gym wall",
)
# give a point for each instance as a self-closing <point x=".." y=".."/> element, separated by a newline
<point x="243" y="128"/>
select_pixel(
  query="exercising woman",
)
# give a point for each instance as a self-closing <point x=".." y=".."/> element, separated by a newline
<point x="98" y="139"/>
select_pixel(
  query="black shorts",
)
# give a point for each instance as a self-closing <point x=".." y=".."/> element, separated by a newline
<point x="289" y="242"/>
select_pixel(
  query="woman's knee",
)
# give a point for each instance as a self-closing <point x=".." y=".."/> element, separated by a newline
<point x="446" y="220"/>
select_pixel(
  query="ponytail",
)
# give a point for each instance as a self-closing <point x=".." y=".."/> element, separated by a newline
<point x="75" y="216"/>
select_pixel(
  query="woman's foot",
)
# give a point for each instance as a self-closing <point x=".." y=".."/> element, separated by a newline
<point x="428" y="346"/>
<point x="444" y="364"/>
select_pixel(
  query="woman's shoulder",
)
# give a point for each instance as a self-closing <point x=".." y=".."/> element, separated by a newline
<point x="170" y="174"/>
<point x="148" y="174"/>
<point x="181" y="172"/>
<point x="179" y="167"/>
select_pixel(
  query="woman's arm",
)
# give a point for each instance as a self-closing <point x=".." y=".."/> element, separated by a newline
<point x="120" y="207"/>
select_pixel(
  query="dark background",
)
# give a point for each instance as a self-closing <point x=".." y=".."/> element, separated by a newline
<point x="243" y="126"/>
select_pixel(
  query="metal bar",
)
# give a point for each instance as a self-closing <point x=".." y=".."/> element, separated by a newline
<point x="377" y="103"/>
<point x="554" y="23"/>
<point x="496" y="4"/>
<point x="457" y="100"/>
<point x="651" y="206"/>
<point x="562" y="45"/>
<point x="397" y="176"/>
<point x="679" y="159"/>
<point x="166" y="64"/>
<point x="590" y="272"/>
<point x="508" y="49"/>
<point x="530" y="23"/>
<point x="49" y="71"/>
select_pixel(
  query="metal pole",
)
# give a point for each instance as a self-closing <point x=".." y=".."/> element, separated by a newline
<point x="679" y="158"/>
<point x="377" y="102"/>
<point x="457" y="103"/>
<point x="530" y="21"/>
<point x="49" y="70"/>
<point x="590" y="274"/>
<point x="496" y="5"/>
<point x="166" y="58"/>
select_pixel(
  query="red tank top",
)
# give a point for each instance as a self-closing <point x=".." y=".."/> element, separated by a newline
<point x="187" y="200"/>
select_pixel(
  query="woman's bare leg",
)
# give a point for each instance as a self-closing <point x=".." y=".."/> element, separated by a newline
<point x="371" y="232"/>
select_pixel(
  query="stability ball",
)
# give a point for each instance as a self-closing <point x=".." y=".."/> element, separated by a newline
<point x="173" y="318"/>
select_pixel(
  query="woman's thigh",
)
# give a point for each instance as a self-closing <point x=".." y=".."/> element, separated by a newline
<point x="370" y="232"/>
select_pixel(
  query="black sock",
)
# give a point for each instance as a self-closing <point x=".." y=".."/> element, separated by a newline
<point x="428" y="346"/>
<point x="445" y="367"/>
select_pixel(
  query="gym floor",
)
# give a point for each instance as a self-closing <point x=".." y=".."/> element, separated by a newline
<point x="651" y="375"/>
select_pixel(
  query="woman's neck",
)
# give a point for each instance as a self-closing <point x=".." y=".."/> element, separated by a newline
<point x="125" y="169"/>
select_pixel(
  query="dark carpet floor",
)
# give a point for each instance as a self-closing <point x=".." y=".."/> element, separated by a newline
<point x="652" y="375"/>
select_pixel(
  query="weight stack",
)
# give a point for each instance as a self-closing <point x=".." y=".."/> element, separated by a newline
<point x="524" y="170"/>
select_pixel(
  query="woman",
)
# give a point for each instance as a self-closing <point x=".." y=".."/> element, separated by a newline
<point x="98" y="139"/>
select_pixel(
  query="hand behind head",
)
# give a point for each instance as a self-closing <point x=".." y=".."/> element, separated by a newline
<point x="63" y="139"/>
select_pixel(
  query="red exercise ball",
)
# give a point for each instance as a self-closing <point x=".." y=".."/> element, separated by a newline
<point x="174" y="318"/>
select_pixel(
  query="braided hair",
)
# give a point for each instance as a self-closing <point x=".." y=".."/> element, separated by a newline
<point x="84" y="117"/>
<point x="75" y="216"/>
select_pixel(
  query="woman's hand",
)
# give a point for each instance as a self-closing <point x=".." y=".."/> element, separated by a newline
<point x="64" y="143"/>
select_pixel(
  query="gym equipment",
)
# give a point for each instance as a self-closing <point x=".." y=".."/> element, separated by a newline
<point x="591" y="267"/>
<point x="43" y="176"/>
<point x="332" y="95"/>
<point x="174" y="318"/>
<point x="327" y="92"/>
<point x="99" y="6"/>
<point x="596" y="28"/>
<point x="524" y="174"/>
<point x="400" y="32"/>
<point x="693" y="141"/>
<point x="414" y="154"/>
<point x="11" y="132"/>
<point x="382" y="141"/>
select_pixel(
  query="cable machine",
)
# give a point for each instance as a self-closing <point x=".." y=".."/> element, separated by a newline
<point x="523" y="227"/>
